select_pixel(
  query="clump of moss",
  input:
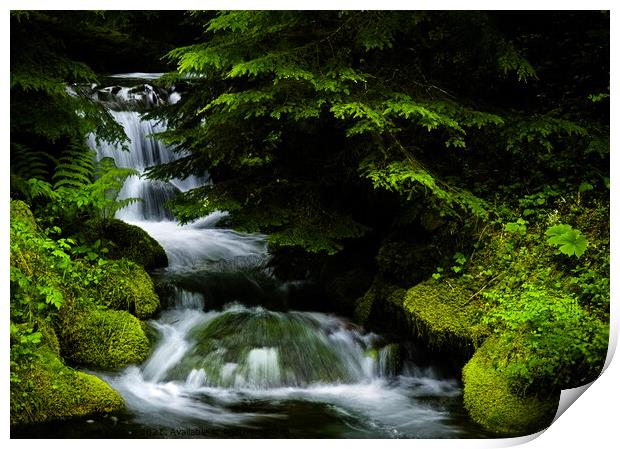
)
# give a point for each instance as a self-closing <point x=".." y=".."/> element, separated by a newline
<point x="48" y="336"/>
<point x="45" y="389"/>
<point x="125" y="285"/>
<point x="125" y="241"/>
<point x="445" y="316"/>
<point x="21" y="211"/>
<point x="104" y="339"/>
<point x="491" y="403"/>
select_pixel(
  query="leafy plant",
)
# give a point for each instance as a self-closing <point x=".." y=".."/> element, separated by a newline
<point x="550" y="342"/>
<point x="459" y="261"/>
<point x="518" y="227"/>
<point x="568" y="240"/>
<point x="83" y="187"/>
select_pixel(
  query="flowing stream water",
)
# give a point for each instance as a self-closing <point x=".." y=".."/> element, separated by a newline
<point x="230" y="358"/>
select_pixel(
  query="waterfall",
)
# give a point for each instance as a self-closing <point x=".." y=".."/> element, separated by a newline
<point x="240" y="365"/>
<point x="189" y="246"/>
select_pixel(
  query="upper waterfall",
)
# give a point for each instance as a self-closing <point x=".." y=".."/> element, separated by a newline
<point x="191" y="245"/>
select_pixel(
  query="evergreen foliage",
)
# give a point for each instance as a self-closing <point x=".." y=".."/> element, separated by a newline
<point x="302" y="117"/>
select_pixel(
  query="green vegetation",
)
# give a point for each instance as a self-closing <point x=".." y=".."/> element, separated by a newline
<point x="445" y="315"/>
<point x="319" y="106"/>
<point x="125" y="241"/>
<point x="490" y="401"/>
<point x="105" y="339"/>
<point x="46" y="389"/>
<point x="451" y="168"/>
<point x="125" y="285"/>
<point x="56" y="291"/>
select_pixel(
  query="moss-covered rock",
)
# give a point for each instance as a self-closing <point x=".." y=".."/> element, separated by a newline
<point x="124" y="285"/>
<point x="21" y="211"/>
<point x="491" y="403"/>
<point x="126" y="241"/>
<point x="48" y="336"/>
<point x="104" y="339"/>
<point x="445" y="316"/>
<point x="45" y="389"/>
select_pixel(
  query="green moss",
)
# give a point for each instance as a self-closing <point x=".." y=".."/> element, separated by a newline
<point x="48" y="336"/>
<point x="490" y="403"/>
<point x="304" y="356"/>
<point x="21" y="211"/>
<point x="45" y="390"/>
<point x="445" y="316"/>
<point x="364" y="306"/>
<point x="125" y="241"/>
<point x="104" y="339"/>
<point x="125" y="285"/>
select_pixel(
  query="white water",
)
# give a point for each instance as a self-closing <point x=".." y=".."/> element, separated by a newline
<point x="208" y="366"/>
<point x="390" y="405"/>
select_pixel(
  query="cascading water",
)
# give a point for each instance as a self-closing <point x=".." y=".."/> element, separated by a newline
<point x="225" y="369"/>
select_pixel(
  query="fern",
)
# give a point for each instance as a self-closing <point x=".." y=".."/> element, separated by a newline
<point x="109" y="180"/>
<point x="81" y="186"/>
<point x="27" y="162"/>
<point x="75" y="167"/>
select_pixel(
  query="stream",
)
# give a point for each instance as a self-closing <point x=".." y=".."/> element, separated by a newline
<point x="234" y="355"/>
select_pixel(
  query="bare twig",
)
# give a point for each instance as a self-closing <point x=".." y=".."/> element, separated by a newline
<point x="485" y="286"/>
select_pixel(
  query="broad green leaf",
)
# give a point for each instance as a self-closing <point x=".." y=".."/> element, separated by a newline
<point x="570" y="241"/>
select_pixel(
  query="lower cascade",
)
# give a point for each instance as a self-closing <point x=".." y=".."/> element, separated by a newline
<point x="216" y="368"/>
<point x="225" y="364"/>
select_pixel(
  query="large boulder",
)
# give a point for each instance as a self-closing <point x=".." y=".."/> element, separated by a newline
<point x="124" y="285"/>
<point x="125" y="241"/>
<point x="377" y="303"/>
<point x="445" y="316"/>
<point x="491" y="403"/>
<point x="101" y="339"/>
<point x="45" y="389"/>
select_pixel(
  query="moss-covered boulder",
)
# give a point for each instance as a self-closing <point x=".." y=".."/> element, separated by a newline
<point x="125" y="241"/>
<point x="103" y="339"/>
<point x="124" y="285"/>
<point x="491" y="403"/>
<point x="445" y="316"/>
<point x="21" y="211"/>
<point x="45" y="389"/>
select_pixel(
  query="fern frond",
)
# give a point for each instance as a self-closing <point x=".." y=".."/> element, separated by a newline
<point x="75" y="167"/>
<point x="29" y="163"/>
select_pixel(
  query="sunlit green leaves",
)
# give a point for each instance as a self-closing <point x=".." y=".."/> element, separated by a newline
<point x="518" y="227"/>
<point x="568" y="240"/>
